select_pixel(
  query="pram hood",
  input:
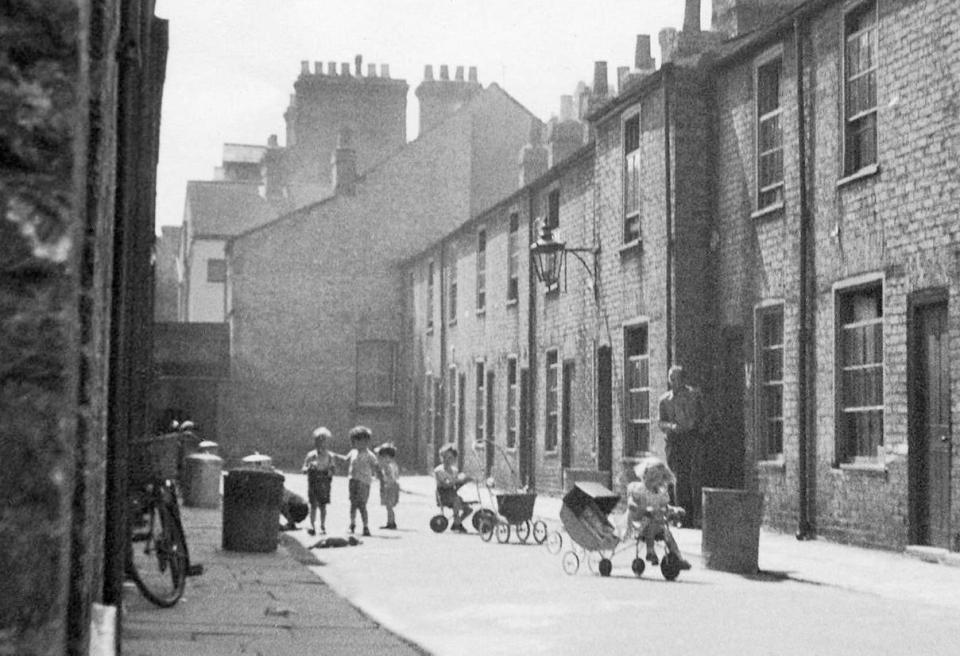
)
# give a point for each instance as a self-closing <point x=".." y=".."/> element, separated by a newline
<point x="588" y="493"/>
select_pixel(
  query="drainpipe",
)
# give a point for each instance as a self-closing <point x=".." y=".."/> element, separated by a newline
<point x="529" y="449"/>
<point x="804" y="528"/>
<point x="668" y="209"/>
<point x="440" y="405"/>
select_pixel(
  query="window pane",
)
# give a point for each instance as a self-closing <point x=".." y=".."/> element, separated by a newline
<point x="768" y="87"/>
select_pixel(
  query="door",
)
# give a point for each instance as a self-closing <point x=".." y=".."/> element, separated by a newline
<point x="933" y="421"/>
<point x="491" y="446"/>
<point x="566" y="426"/>
<point x="461" y="415"/>
<point x="526" y="452"/>
<point x="605" y="409"/>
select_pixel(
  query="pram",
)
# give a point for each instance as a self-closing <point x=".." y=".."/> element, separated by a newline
<point x="514" y="512"/>
<point x="584" y="518"/>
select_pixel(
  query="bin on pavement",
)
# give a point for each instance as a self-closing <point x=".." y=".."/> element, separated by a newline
<point x="201" y="480"/>
<point x="251" y="508"/>
<point x="730" y="540"/>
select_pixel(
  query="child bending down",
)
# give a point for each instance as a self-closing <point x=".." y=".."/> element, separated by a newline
<point x="648" y="508"/>
<point x="449" y="480"/>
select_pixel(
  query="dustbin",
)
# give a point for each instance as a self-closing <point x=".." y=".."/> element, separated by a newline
<point x="201" y="480"/>
<point x="730" y="540"/>
<point x="251" y="509"/>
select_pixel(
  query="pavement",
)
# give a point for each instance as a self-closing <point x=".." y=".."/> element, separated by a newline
<point x="278" y="603"/>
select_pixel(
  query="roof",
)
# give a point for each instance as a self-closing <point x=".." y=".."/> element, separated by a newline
<point x="223" y="209"/>
<point x="243" y="153"/>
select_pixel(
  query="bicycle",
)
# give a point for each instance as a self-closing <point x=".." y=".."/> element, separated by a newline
<point x="158" y="561"/>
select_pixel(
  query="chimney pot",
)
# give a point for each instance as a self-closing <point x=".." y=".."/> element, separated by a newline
<point x="444" y="72"/>
<point x="331" y="68"/>
<point x="385" y="71"/>
<point x="691" y="16"/>
<point x="600" y="79"/>
<point x="318" y="68"/>
<point x="358" y="63"/>
<point x="459" y="75"/>
<point x="371" y="70"/>
<point x="428" y="72"/>
<point x="304" y="67"/>
<point x="472" y="74"/>
<point x="345" y="69"/>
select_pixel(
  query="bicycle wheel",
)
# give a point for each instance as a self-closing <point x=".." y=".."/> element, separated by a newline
<point x="158" y="556"/>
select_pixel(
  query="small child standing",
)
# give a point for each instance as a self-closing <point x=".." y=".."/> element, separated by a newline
<point x="319" y="466"/>
<point x="389" y="474"/>
<point x="648" y="508"/>
<point x="362" y="465"/>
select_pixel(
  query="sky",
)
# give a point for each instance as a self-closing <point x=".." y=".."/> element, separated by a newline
<point x="232" y="63"/>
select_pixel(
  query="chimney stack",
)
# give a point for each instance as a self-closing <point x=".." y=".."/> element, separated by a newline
<point x="642" y="60"/>
<point x="534" y="158"/>
<point x="428" y="73"/>
<point x="318" y="68"/>
<point x="344" y="163"/>
<point x="345" y="69"/>
<point x="358" y="64"/>
<point x="444" y="72"/>
<point x="566" y="108"/>
<point x="600" y="79"/>
<point x="472" y="74"/>
<point x="272" y="141"/>
<point x="623" y="74"/>
<point x="691" y="16"/>
<point x="304" y="67"/>
<point x="385" y="71"/>
<point x="459" y="75"/>
<point x="371" y="70"/>
<point x="331" y="68"/>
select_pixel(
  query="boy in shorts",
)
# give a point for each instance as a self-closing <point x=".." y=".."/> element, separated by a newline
<point x="318" y="466"/>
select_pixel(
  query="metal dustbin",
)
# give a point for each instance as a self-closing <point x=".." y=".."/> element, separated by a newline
<point x="201" y="480"/>
<point x="251" y="509"/>
<point x="730" y="540"/>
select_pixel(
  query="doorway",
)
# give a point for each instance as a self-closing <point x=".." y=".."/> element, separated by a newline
<point x="605" y="409"/>
<point x="566" y="430"/>
<point x="931" y="447"/>
<point x="491" y="445"/>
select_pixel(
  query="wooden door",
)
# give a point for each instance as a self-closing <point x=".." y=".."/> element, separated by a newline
<point x="566" y="426"/>
<point x="461" y="415"/>
<point x="526" y="441"/>
<point x="933" y="420"/>
<point x="605" y="409"/>
<point x="491" y="446"/>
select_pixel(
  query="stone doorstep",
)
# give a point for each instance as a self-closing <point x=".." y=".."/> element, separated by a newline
<point x="933" y="554"/>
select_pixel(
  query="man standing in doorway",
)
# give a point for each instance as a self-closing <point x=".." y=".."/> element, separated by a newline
<point x="681" y="414"/>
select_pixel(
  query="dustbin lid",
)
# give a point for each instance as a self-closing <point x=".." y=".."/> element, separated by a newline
<point x="207" y="444"/>
<point x="257" y="460"/>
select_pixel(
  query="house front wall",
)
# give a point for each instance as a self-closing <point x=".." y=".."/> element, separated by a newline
<point x="206" y="298"/>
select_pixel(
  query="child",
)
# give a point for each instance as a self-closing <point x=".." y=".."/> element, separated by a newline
<point x="318" y="466"/>
<point x="362" y="465"/>
<point x="648" y="508"/>
<point x="389" y="474"/>
<point x="449" y="480"/>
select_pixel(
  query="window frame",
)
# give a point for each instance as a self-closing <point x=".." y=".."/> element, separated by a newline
<point x="431" y="274"/>
<point x="848" y="167"/>
<point x="769" y="58"/>
<point x="452" y="288"/>
<point x="481" y="270"/>
<point x="843" y="296"/>
<point x="631" y="216"/>
<point x="551" y="405"/>
<point x="632" y="446"/>
<point x="480" y="412"/>
<point x="453" y="403"/>
<point x="392" y="374"/>
<point x="513" y="257"/>
<point x="512" y="408"/>
<point x="762" y="418"/>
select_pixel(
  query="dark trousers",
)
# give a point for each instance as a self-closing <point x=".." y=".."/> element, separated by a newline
<point x="683" y="457"/>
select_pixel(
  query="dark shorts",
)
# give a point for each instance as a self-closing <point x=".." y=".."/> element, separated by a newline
<point x="318" y="486"/>
<point x="448" y="496"/>
<point x="359" y="493"/>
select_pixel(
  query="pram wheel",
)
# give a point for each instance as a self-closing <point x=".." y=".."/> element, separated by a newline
<point x="638" y="566"/>
<point x="523" y="530"/>
<point x="486" y="530"/>
<point x="503" y="532"/>
<point x="481" y="516"/>
<point x="571" y="562"/>
<point x="670" y="566"/>
<point x="438" y="523"/>
<point x="540" y="532"/>
<point x="593" y="561"/>
<point x="554" y="542"/>
<point x="606" y="566"/>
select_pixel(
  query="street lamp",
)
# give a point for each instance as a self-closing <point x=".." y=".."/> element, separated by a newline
<point x="549" y="255"/>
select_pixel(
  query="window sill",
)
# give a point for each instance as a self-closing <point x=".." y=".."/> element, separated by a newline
<point x="776" y="465"/>
<point x="769" y="210"/>
<point x="631" y="247"/>
<point x="481" y="313"/>
<point x="452" y="323"/>
<point x="552" y="291"/>
<point x="551" y="453"/>
<point x="867" y="468"/>
<point x="865" y="172"/>
<point x="512" y="303"/>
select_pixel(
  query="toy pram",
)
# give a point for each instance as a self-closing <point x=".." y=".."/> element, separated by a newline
<point x="514" y="510"/>
<point x="584" y="518"/>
